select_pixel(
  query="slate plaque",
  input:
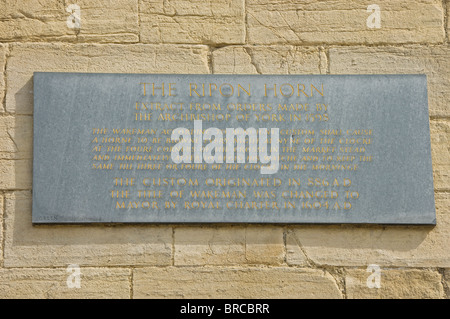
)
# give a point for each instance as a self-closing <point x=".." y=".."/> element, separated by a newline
<point x="320" y="149"/>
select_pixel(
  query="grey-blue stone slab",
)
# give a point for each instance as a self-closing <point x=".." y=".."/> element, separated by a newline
<point x="396" y="187"/>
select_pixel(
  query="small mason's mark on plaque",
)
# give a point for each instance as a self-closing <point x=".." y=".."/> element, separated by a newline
<point x="135" y="148"/>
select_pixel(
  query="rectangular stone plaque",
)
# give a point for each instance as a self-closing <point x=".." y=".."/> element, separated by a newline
<point x="160" y="148"/>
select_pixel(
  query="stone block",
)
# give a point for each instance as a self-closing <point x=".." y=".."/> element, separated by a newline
<point x="50" y="283"/>
<point x="192" y="21"/>
<point x="344" y="22"/>
<point x="264" y="245"/>
<point x="100" y="21"/>
<point x="266" y="60"/>
<point x="233" y="283"/>
<point x="87" y="245"/>
<point x="394" y="284"/>
<point x="209" y="245"/>
<point x="16" y="137"/>
<point x="440" y="153"/>
<point x="16" y="174"/>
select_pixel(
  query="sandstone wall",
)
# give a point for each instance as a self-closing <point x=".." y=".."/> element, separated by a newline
<point x="219" y="36"/>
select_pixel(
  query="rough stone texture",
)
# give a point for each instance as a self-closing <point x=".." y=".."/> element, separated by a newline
<point x="101" y="21"/>
<point x="192" y="21"/>
<point x="442" y="201"/>
<point x="224" y="282"/>
<point x="3" y="50"/>
<point x="389" y="246"/>
<point x="432" y="61"/>
<point x="447" y="282"/>
<point x="343" y="22"/>
<point x="141" y="58"/>
<point x="395" y="283"/>
<point x="228" y="245"/>
<point x="40" y="283"/>
<point x="1" y="228"/>
<point x="264" y="245"/>
<point x="266" y="60"/>
<point x="15" y="174"/>
<point x="53" y="246"/>
<point x="448" y="20"/>
<point x="16" y="137"/>
<point x="440" y="153"/>
<point x="294" y="253"/>
<point x="233" y="60"/>
<point x="209" y="245"/>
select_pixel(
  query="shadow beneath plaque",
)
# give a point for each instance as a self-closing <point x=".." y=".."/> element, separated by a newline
<point x="374" y="237"/>
<point x="23" y="98"/>
<point x="348" y="236"/>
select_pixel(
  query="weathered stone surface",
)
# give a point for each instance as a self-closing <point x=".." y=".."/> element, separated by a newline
<point x="448" y="20"/>
<point x="1" y="228"/>
<point x="33" y="20"/>
<point x="395" y="284"/>
<point x="45" y="283"/>
<point x="228" y="245"/>
<point x="15" y="174"/>
<point x="53" y="246"/>
<point x="447" y="282"/>
<point x="101" y="21"/>
<point x="432" y="61"/>
<point x="209" y="245"/>
<point x="187" y="21"/>
<point x="387" y="246"/>
<point x="266" y="60"/>
<point x="294" y="253"/>
<point x="233" y="60"/>
<point x="16" y="145"/>
<point x="28" y="58"/>
<point x="16" y="137"/>
<point x="264" y="245"/>
<point x="2" y="75"/>
<point x="231" y="282"/>
<point x="343" y="22"/>
<point x="440" y="153"/>
<point x="442" y="202"/>
<point x="108" y="21"/>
